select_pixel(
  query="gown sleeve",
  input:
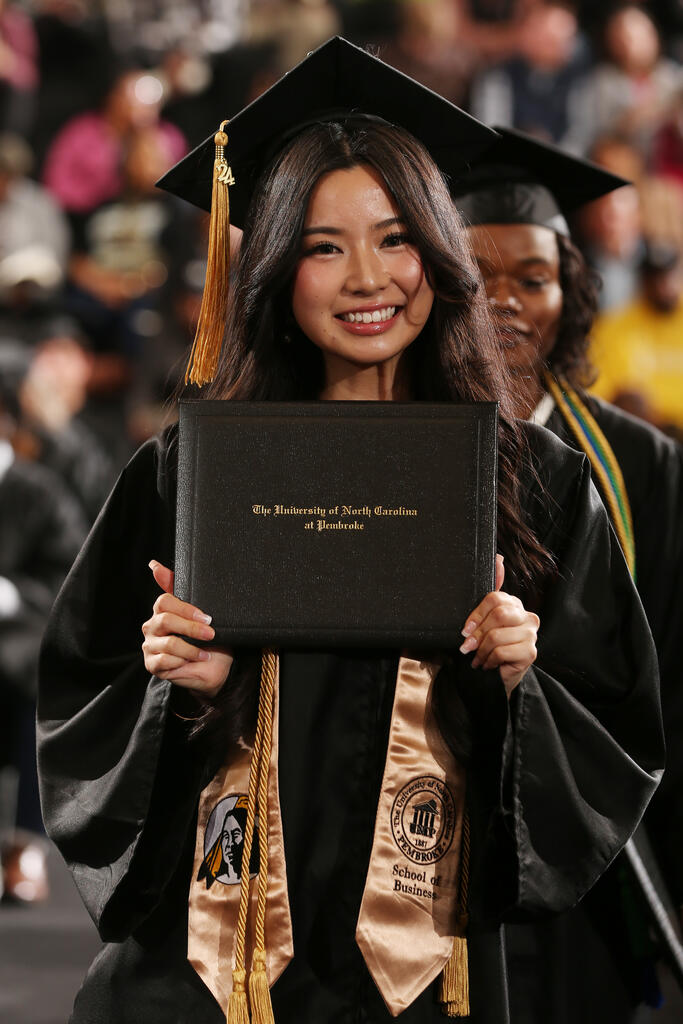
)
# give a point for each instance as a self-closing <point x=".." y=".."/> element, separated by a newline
<point x="115" y="771"/>
<point x="582" y="747"/>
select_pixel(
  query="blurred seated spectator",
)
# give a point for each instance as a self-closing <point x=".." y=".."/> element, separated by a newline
<point x="34" y="232"/>
<point x="638" y="350"/>
<point x="630" y="91"/>
<point x="83" y="167"/>
<point x="294" y="27"/>
<point x="18" y="68"/>
<point x="609" y="229"/>
<point x="492" y="28"/>
<point x="539" y="91"/>
<point x="667" y="147"/>
<point x="74" y="62"/>
<point x="53" y="410"/>
<point x="117" y="277"/>
<point x="428" y="47"/>
<point x="41" y="531"/>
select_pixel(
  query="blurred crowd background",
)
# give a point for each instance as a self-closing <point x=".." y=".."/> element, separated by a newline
<point x="101" y="274"/>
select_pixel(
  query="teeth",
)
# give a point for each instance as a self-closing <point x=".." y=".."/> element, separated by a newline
<point x="377" y="316"/>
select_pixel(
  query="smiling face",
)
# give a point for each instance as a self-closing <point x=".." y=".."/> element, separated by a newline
<point x="360" y="293"/>
<point x="520" y="264"/>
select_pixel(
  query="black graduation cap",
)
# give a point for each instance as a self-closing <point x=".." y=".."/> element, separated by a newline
<point x="523" y="180"/>
<point x="332" y="82"/>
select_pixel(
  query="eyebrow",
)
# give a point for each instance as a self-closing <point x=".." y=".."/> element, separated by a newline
<point x="323" y="230"/>
<point x="488" y="261"/>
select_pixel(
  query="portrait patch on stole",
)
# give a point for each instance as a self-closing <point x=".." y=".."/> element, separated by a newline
<point x="224" y="843"/>
<point x="423" y="819"/>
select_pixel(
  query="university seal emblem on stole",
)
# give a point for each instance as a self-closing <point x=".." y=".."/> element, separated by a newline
<point x="423" y="819"/>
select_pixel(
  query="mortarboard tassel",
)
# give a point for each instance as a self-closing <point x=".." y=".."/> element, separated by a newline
<point x="259" y="990"/>
<point x="238" y="1007"/>
<point x="203" y="361"/>
<point x="454" y="991"/>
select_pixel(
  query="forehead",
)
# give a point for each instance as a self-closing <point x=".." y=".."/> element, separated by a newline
<point x="512" y="244"/>
<point x="349" y="197"/>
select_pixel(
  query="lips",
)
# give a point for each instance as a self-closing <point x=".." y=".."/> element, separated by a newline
<point x="368" y="316"/>
<point x="369" y="321"/>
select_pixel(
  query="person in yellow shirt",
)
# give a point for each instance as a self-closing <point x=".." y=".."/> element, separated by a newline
<point x="638" y="349"/>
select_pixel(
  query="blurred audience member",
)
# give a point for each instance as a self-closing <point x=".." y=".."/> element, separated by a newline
<point x="74" y="64"/>
<point x="53" y="398"/>
<point x="117" y="276"/>
<point x="667" y="148"/>
<point x="18" y="68"/>
<point x="428" y="47"/>
<point x="41" y="531"/>
<point x="34" y="233"/>
<point x="630" y="92"/>
<point x="294" y="27"/>
<point x="610" y="229"/>
<point x="540" y="90"/>
<point x="638" y="350"/>
<point x="83" y="167"/>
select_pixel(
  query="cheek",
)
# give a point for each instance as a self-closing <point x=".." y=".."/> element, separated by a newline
<point x="548" y="316"/>
<point x="413" y="281"/>
<point x="308" y="293"/>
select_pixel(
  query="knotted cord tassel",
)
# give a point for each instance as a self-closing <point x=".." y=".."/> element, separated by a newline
<point x="238" y="1011"/>
<point x="203" y="361"/>
<point x="259" y="990"/>
<point x="454" y="990"/>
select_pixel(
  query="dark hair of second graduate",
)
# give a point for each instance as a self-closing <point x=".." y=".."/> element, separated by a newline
<point x="570" y="354"/>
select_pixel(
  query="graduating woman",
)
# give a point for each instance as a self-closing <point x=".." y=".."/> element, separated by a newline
<point x="598" y="963"/>
<point x="542" y="742"/>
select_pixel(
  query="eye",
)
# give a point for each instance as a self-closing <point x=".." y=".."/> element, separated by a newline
<point x="321" y="249"/>
<point x="395" y="238"/>
<point x="533" y="284"/>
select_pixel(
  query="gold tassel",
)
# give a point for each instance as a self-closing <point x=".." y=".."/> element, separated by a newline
<point x="203" y="361"/>
<point x="454" y="990"/>
<point x="259" y="990"/>
<point x="455" y="983"/>
<point x="238" y="1011"/>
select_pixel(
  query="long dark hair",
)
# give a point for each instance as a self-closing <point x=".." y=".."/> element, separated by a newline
<point x="457" y="356"/>
<point x="580" y="284"/>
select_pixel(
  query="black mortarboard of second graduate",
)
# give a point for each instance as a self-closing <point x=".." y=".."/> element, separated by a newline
<point x="523" y="180"/>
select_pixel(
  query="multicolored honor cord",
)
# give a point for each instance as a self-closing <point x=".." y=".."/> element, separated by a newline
<point x="603" y="461"/>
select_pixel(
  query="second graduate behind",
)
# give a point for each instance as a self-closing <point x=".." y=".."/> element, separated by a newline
<point x="526" y="758"/>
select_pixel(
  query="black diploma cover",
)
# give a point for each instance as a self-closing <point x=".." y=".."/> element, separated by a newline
<point x="344" y="524"/>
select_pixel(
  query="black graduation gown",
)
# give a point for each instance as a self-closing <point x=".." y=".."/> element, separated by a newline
<point x="588" y="965"/>
<point x="559" y="777"/>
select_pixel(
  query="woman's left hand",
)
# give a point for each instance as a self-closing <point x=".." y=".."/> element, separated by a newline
<point x="503" y="634"/>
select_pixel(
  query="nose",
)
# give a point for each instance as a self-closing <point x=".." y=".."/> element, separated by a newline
<point x="367" y="273"/>
<point x="501" y="295"/>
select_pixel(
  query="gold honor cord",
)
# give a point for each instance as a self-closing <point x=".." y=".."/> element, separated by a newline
<point x="203" y="361"/>
<point x="603" y="461"/>
<point x="454" y="988"/>
<point x="238" y="1006"/>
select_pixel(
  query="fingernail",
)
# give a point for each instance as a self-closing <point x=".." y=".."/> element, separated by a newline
<point x="207" y="633"/>
<point x="204" y="656"/>
<point x="152" y="564"/>
<point x="469" y="645"/>
<point x="475" y="662"/>
<point x="469" y="627"/>
<point x="201" y="617"/>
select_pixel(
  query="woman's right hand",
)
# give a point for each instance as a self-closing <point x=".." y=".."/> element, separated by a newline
<point x="168" y="656"/>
